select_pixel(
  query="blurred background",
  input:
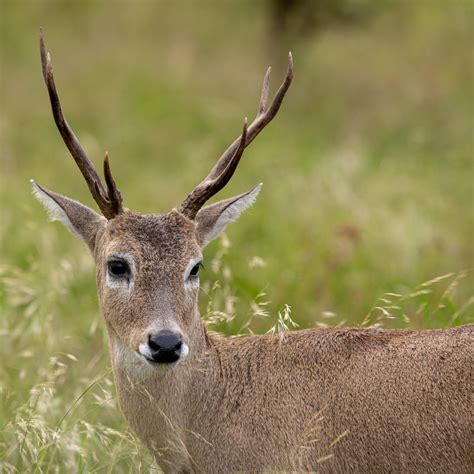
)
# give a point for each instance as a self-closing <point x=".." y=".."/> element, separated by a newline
<point x="365" y="218"/>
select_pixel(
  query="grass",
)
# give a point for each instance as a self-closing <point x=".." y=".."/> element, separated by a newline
<point x="365" y="218"/>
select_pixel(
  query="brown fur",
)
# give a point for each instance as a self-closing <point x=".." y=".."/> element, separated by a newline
<point x="335" y="400"/>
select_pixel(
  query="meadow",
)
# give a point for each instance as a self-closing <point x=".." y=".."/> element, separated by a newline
<point x="366" y="215"/>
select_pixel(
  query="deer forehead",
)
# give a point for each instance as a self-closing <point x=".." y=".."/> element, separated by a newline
<point x="151" y="239"/>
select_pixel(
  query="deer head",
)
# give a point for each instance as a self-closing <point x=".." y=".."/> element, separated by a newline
<point x="147" y="266"/>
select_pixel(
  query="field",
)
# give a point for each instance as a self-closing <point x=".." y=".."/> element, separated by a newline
<point x="366" y="215"/>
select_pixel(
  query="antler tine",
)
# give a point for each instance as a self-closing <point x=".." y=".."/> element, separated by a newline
<point x="227" y="163"/>
<point x="110" y="201"/>
<point x="215" y="181"/>
<point x="264" y="95"/>
<point x="113" y="192"/>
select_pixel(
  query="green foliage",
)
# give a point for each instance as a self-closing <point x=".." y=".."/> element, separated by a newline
<point x="368" y="188"/>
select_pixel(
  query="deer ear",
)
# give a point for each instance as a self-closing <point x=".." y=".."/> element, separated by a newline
<point x="79" y="219"/>
<point x="212" y="220"/>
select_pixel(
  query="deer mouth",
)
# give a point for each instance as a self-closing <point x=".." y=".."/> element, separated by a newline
<point x="166" y="358"/>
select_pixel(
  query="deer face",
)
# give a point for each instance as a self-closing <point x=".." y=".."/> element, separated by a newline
<point x="148" y="280"/>
<point x="147" y="270"/>
<point x="147" y="266"/>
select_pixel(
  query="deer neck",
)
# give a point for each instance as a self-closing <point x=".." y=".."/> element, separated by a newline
<point x="159" y="403"/>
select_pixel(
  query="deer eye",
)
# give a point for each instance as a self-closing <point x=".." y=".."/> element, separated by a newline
<point x="195" y="270"/>
<point x="118" y="268"/>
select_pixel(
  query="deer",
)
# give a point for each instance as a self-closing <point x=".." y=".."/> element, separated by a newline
<point x="330" y="400"/>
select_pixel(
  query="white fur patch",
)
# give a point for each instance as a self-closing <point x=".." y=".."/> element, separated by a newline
<point x="144" y="350"/>
<point x="232" y="213"/>
<point x="184" y="351"/>
<point x="54" y="210"/>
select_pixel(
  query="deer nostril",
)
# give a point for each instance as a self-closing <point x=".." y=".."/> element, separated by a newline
<point x="165" y="346"/>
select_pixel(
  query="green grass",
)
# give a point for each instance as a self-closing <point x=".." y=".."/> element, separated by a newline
<point x="368" y="188"/>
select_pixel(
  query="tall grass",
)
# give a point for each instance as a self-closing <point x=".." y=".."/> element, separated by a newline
<point x="56" y="421"/>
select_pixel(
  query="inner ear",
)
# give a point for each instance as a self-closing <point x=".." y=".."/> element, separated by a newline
<point x="212" y="220"/>
<point x="79" y="219"/>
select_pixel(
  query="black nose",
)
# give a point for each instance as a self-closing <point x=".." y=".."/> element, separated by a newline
<point x="165" y="346"/>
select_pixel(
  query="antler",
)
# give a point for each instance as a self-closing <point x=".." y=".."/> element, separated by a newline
<point x="110" y="200"/>
<point x="227" y="163"/>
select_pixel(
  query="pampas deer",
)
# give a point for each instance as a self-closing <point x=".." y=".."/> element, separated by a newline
<point x="327" y="400"/>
